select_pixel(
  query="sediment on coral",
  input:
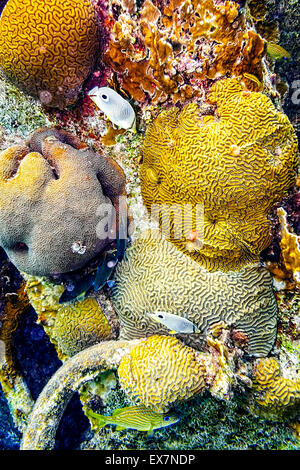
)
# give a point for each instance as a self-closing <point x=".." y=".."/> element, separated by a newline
<point x="234" y="165"/>
<point x="155" y="276"/>
<point x="53" y="63"/>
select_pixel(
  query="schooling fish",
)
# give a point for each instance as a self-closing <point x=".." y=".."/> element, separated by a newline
<point x="135" y="417"/>
<point x="276" y="51"/>
<point x="175" y="323"/>
<point x="115" y="107"/>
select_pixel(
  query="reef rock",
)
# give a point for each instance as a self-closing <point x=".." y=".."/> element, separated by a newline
<point x="51" y="192"/>
<point x="49" y="48"/>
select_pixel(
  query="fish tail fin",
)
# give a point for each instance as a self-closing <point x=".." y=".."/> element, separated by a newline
<point x="99" y="419"/>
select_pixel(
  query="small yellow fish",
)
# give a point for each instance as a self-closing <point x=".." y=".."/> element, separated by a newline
<point x="276" y="51"/>
<point x="254" y="79"/>
<point x="135" y="417"/>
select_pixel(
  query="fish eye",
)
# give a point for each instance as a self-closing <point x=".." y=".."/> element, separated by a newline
<point x="104" y="97"/>
<point x="160" y="316"/>
<point x="166" y="418"/>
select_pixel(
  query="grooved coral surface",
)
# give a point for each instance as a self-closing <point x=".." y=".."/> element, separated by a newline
<point x="161" y="371"/>
<point x="273" y="392"/>
<point x="155" y="276"/>
<point x="51" y="192"/>
<point x="79" y="325"/>
<point x="48" y="48"/>
<point x="234" y="164"/>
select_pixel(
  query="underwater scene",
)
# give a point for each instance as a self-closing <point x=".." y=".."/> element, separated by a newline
<point x="149" y="225"/>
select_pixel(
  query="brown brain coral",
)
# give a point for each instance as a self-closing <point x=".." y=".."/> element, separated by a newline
<point x="275" y="394"/>
<point x="51" y="192"/>
<point x="160" y="372"/>
<point x="49" y="48"/>
<point x="155" y="276"/>
<point x="235" y="164"/>
<point x="171" y="49"/>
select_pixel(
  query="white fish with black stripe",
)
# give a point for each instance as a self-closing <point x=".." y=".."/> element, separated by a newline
<point x="174" y="323"/>
<point x="115" y="107"/>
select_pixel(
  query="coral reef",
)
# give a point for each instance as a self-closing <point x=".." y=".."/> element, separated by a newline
<point x="160" y="372"/>
<point x="171" y="50"/>
<point x="290" y="247"/>
<point x="49" y="50"/>
<point x="274" y="394"/>
<point x="236" y="164"/>
<point x="70" y="326"/>
<point x="53" y="189"/>
<point x="13" y="384"/>
<point x="155" y="276"/>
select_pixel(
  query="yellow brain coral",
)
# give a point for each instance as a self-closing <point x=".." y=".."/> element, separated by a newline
<point x="235" y="164"/>
<point x="161" y="371"/>
<point x="72" y="327"/>
<point x="48" y="48"/>
<point x="273" y="392"/>
<point x="173" y="47"/>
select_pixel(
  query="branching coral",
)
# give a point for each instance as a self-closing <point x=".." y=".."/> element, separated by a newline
<point x="48" y="49"/>
<point x="236" y="164"/>
<point x="274" y="394"/>
<point x="155" y="276"/>
<point x="51" y="192"/>
<point x="161" y="371"/>
<point x="170" y="50"/>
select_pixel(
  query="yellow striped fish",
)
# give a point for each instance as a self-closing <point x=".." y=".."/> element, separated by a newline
<point x="254" y="79"/>
<point x="135" y="417"/>
<point x="276" y="51"/>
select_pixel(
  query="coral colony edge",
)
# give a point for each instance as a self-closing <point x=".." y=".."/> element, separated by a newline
<point x="149" y="225"/>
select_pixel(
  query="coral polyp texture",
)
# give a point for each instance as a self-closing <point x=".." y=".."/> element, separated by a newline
<point x="49" y="48"/>
<point x="273" y="393"/>
<point x="234" y="164"/>
<point x="51" y="191"/>
<point x="160" y="372"/>
<point x="290" y="247"/>
<point x="171" y="49"/>
<point x="155" y="276"/>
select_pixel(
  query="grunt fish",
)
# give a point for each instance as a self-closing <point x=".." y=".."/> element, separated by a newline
<point x="135" y="417"/>
<point x="277" y="52"/>
<point x="114" y="106"/>
<point x="175" y="323"/>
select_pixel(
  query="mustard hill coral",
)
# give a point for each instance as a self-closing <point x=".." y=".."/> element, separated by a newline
<point x="49" y="48"/>
<point x="155" y="276"/>
<point x="160" y="372"/>
<point x="171" y="49"/>
<point x="273" y="393"/>
<point x="290" y="247"/>
<point x="235" y="164"/>
<point x="51" y="193"/>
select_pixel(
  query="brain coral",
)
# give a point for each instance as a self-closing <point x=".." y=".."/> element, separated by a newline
<point x="275" y="394"/>
<point x="155" y="276"/>
<point x="235" y="164"/>
<point x="171" y="49"/>
<point x="161" y="371"/>
<point x="48" y="48"/>
<point x="50" y="192"/>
